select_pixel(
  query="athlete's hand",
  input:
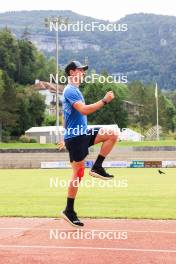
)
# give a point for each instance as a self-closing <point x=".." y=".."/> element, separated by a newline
<point x="109" y="96"/>
<point x="61" y="145"/>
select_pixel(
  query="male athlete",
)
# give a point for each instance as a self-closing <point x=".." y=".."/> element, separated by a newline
<point x="78" y="138"/>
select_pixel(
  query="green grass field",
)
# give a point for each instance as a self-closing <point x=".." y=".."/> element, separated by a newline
<point x="148" y="194"/>
<point x="119" y="144"/>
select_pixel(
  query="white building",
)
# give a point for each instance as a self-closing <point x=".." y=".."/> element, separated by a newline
<point x="46" y="134"/>
<point x="48" y="90"/>
<point x="130" y="135"/>
<point x="52" y="134"/>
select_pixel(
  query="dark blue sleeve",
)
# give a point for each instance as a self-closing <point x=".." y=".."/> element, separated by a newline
<point x="72" y="96"/>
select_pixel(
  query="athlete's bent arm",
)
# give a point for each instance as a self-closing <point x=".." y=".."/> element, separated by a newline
<point x="91" y="108"/>
<point x="87" y="109"/>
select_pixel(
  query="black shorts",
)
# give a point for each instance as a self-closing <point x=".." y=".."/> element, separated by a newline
<point x="78" y="146"/>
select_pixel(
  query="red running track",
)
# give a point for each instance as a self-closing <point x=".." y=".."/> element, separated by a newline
<point x="44" y="241"/>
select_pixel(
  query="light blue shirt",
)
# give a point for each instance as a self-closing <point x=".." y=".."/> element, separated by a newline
<point x="75" y="122"/>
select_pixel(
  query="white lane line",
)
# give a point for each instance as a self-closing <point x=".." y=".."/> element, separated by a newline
<point x="81" y="229"/>
<point x="90" y="248"/>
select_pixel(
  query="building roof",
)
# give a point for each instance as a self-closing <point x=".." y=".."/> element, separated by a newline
<point x="43" y="129"/>
<point x="133" y="104"/>
<point x="54" y="128"/>
<point x="132" y="132"/>
<point x="41" y="86"/>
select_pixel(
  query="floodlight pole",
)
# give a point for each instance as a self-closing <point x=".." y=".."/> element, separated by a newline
<point x="57" y="73"/>
<point x="58" y="21"/>
<point x="157" y="115"/>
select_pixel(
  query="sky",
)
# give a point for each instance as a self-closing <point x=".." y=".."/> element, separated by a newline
<point x="101" y="9"/>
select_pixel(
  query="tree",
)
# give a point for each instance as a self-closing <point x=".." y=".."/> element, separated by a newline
<point x="20" y="63"/>
<point x="30" y="110"/>
<point x="7" y="104"/>
<point x="8" y="100"/>
<point x="50" y="120"/>
<point x="145" y="95"/>
<point x="26" y="62"/>
<point x="9" y="53"/>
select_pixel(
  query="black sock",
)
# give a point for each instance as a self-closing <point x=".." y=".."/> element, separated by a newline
<point x="99" y="161"/>
<point x="70" y="204"/>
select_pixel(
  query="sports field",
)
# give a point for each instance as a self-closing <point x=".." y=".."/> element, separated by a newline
<point x="160" y="143"/>
<point x="135" y="193"/>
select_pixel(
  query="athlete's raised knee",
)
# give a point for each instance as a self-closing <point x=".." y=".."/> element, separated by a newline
<point x="112" y="135"/>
